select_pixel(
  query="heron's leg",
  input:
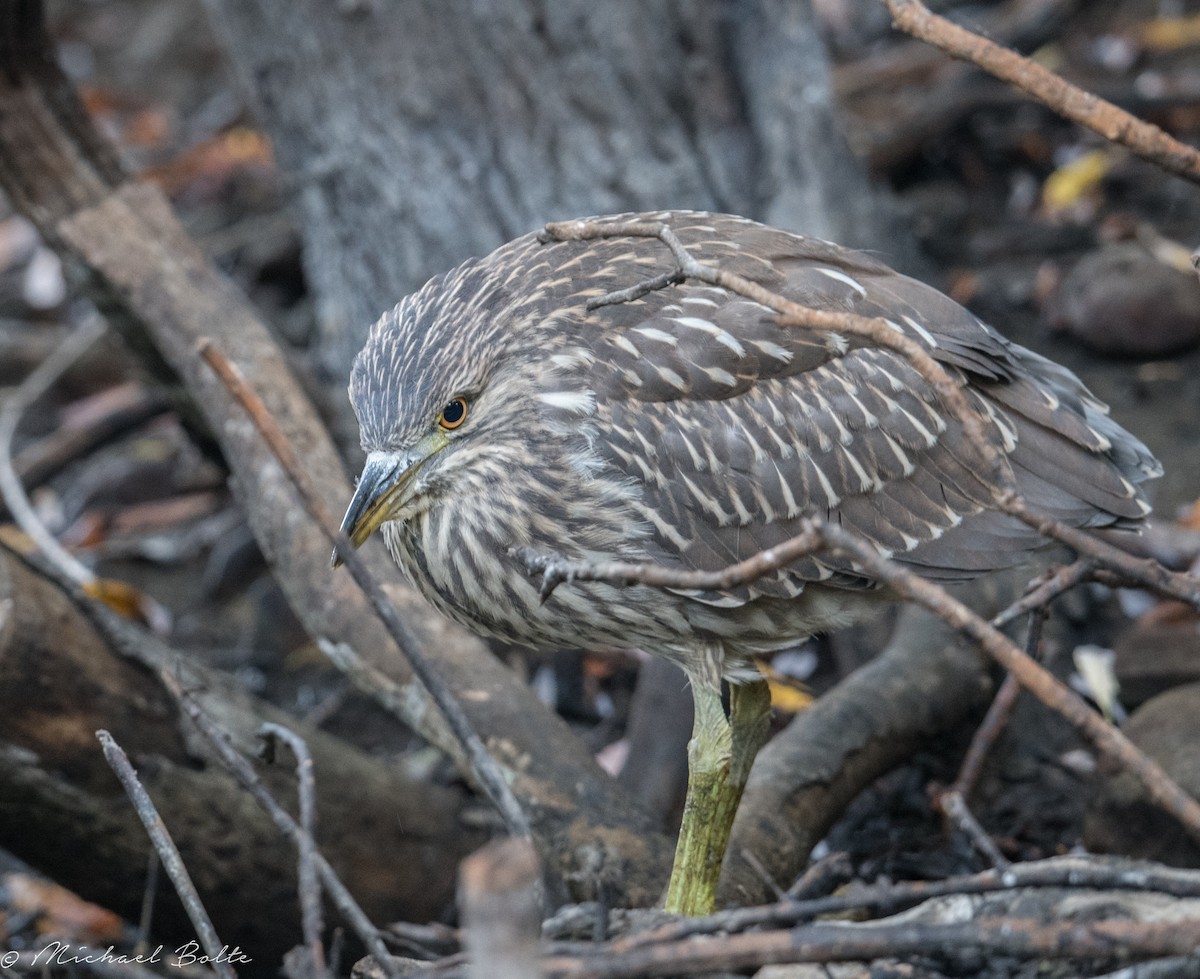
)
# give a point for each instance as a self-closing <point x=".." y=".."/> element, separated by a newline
<point x="720" y="755"/>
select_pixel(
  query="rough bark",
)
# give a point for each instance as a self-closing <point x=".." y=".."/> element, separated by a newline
<point x="394" y="840"/>
<point x="417" y="135"/>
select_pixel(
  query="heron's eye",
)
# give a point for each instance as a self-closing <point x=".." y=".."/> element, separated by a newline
<point x="453" y="415"/>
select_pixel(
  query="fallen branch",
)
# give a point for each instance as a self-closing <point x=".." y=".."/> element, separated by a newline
<point x="69" y="665"/>
<point x="1108" y="941"/>
<point x="961" y="937"/>
<point x="1043" y="591"/>
<point x="1095" y="873"/>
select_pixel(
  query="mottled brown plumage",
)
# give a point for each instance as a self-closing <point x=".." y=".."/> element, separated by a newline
<point x="687" y="428"/>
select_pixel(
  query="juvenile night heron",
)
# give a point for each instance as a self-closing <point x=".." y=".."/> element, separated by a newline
<point x="686" y="427"/>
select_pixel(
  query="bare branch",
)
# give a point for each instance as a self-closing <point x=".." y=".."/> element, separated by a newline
<point x="309" y="884"/>
<point x="1069" y="101"/>
<point x="1021" y="938"/>
<point x="1085" y="872"/>
<point x="165" y="847"/>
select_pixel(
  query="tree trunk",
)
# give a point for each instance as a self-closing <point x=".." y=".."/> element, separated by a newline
<point x="419" y="134"/>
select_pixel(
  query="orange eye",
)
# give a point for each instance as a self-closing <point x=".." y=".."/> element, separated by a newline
<point x="453" y="415"/>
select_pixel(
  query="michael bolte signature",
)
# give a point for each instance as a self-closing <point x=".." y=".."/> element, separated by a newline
<point x="64" y="953"/>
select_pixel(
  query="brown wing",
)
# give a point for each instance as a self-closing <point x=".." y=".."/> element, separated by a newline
<point x="737" y="428"/>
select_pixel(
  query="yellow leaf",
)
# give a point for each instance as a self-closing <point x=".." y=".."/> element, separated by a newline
<point x="1170" y="33"/>
<point x="1070" y="182"/>
<point x="128" y="601"/>
<point x="787" y="695"/>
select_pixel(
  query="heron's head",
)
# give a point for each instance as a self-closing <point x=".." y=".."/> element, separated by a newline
<point x="450" y="397"/>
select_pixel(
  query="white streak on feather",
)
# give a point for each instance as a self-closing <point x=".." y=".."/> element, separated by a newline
<point x="865" y="482"/>
<point x="773" y="350"/>
<point x="622" y="341"/>
<point x="921" y="331"/>
<point x="673" y="378"/>
<point x="720" y="376"/>
<point x="705" y="326"/>
<point x="707" y="503"/>
<point x="907" y="467"/>
<point x="576" y="402"/>
<point x="654" y="333"/>
<point x="925" y="433"/>
<point x="698" y="461"/>
<point x="827" y="487"/>
<point x="789" y="498"/>
<point x="842" y="277"/>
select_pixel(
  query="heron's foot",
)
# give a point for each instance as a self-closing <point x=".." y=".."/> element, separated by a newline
<point x="720" y="756"/>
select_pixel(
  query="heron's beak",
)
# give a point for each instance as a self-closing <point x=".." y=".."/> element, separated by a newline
<point x="383" y="488"/>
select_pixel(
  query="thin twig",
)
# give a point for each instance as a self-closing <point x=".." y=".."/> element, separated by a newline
<point x="172" y="862"/>
<point x="985" y="736"/>
<point x="763" y="873"/>
<point x="1043" y="591"/>
<point x="1161" y="788"/>
<point x="39" y="381"/>
<point x="998" y="713"/>
<point x="241" y="769"/>
<point x="1069" y="101"/>
<point x="822" y="877"/>
<point x="672" y="278"/>
<point x="309" y="882"/>
<point x="1142" y="571"/>
<point x="954" y="807"/>
<point x="556" y="571"/>
<point x="817" y="536"/>
<point x="484" y="768"/>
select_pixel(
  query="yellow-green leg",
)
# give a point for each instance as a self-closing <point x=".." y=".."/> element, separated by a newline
<point x="720" y="755"/>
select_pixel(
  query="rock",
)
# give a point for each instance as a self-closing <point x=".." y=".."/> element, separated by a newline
<point x="1120" y="818"/>
<point x="1122" y="301"/>
<point x="1155" y="657"/>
